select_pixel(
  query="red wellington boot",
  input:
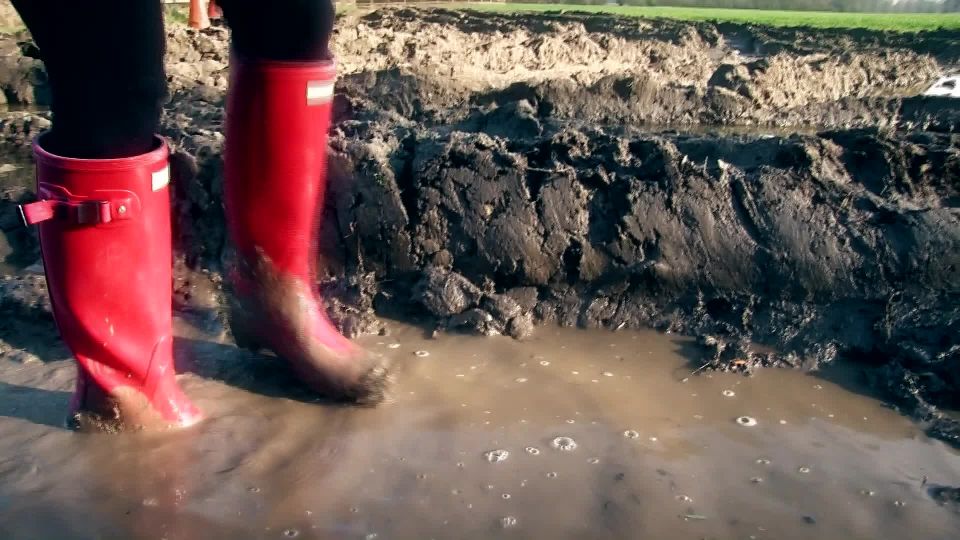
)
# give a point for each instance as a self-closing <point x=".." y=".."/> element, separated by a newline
<point x="105" y="239"/>
<point x="278" y="114"/>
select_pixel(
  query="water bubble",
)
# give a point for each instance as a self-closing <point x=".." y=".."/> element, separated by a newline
<point x="393" y="346"/>
<point x="756" y="480"/>
<point x="291" y="533"/>
<point x="505" y="496"/>
<point x="422" y="354"/>
<point x="459" y="464"/>
<point x="508" y="521"/>
<point x="803" y="470"/>
<point x="520" y="379"/>
<point x="653" y="439"/>
<point x="551" y="474"/>
<point x="371" y="536"/>
<point x="747" y="421"/>
<point x="631" y="434"/>
<point x="817" y="387"/>
<point x="421" y="476"/>
<point x="454" y="491"/>
<point x="899" y="503"/>
<point x="728" y="393"/>
<point x="684" y="498"/>
<point x="593" y="461"/>
<point x="565" y="444"/>
<point x="607" y="374"/>
<point x="496" y="456"/>
<point x="574" y="372"/>
<point x="533" y="450"/>
<point x="253" y="489"/>
<point x="544" y="363"/>
<point x="354" y="509"/>
<point x="571" y="421"/>
<point x="783" y="422"/>
<point x="867" y="492"/>
<point x="763" y="461"/>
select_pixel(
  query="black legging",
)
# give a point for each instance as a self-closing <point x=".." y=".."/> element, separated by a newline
<point x="104" y="60"/>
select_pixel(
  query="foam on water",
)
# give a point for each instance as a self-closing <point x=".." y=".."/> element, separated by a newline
<point x="564" y="444"/>
<point x="496" y="456"/>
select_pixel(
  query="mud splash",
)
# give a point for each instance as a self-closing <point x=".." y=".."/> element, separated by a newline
<point x="643" y="448"/>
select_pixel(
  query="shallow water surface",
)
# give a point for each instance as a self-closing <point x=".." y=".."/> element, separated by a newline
<point x="571" y="434"/>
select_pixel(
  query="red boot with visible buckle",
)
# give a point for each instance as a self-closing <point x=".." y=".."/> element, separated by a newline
<point x="278" y="114"/>
<point x="105" y="239"/>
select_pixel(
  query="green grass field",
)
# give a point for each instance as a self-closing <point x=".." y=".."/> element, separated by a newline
<point x="910" y="22"/>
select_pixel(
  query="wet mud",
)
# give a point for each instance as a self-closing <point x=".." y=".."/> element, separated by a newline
<point x="780" y="195"/>
<point x="570" y="434"/>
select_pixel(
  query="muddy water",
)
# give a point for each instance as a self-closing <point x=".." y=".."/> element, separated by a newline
<point x="572" y="434"/>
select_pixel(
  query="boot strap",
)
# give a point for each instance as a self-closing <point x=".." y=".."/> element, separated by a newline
<point x="56" y="202"/>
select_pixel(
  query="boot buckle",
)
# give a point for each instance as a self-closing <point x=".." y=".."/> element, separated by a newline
<point x="93" y="212"/>
<point x="58" y="203"/>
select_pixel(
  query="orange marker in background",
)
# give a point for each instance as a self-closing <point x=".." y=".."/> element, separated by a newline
<point x="213" y="10"/>
<point x="198" y="15"/>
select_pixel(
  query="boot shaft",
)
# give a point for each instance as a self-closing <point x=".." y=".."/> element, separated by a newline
<point x="106" y="246"/>
<point x="278" y="115"/>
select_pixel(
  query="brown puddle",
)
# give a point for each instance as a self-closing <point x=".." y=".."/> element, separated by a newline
<point x="655" y="456"/>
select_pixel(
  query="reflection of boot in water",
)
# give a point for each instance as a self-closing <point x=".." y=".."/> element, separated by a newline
<point x="105" y="239"/>
<point x="278" y="114"/>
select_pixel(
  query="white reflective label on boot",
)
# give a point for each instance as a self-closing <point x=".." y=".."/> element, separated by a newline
<point x="161" y="178"/>
<point x="319" y="92"/>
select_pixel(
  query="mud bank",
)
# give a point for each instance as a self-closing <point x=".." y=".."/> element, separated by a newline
<point x="440" y="65"/>
<point x="494" y="173"/>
